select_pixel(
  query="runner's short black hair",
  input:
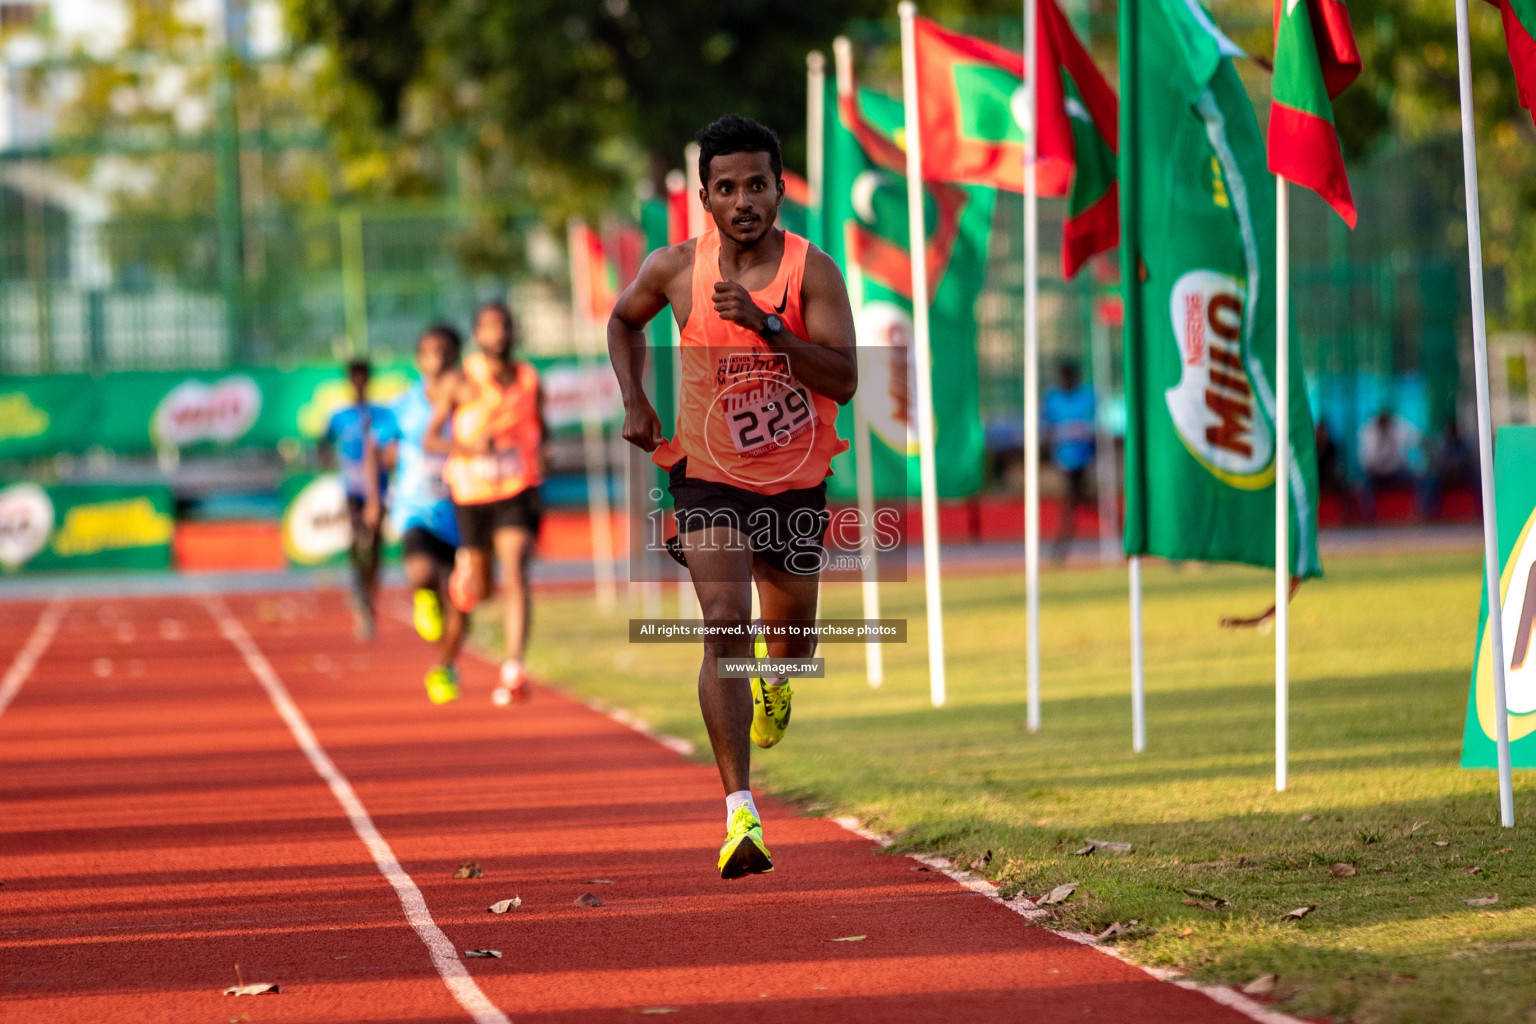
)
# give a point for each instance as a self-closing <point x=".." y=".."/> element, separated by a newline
<point x="359" y="365"/>
<point x="501" y="309"/>
<point x="736" y="134"/>
<point x="453" y="342"/>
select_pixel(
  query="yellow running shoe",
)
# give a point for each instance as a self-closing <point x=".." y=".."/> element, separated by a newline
<point x="442" y="684"/>
<point x="770" y="704"/>
<point x="427" y="615"/>
<point x="744" y="852"/>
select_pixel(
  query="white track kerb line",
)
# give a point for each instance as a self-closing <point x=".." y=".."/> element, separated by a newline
<point x="1228" y="997"/>
<point x="26" y="659"/>
<point x="444" y="956"/>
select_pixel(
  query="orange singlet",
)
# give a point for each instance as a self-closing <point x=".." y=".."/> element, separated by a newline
<point x="511" y="414"/>
<point x="743" y="418"/>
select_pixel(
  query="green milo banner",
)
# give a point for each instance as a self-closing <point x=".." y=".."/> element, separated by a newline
<point x="1200" y="324"/>
<point x="1514" y="456"/>
<point x="866" y="225"/>
<point x="139" y="412"/>
<point x="84" y="527"/>
<point x="317" y="525"/>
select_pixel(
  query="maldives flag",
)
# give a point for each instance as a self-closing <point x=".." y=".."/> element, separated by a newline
<point x="1072" y="91"/>
<point x="1519" y="29"/>
<point x="1315" y="59"/>
<point x="971" y="101"/>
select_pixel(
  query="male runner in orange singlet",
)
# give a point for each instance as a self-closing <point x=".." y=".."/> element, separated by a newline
<point x="495" y="413"/>
<point x="767" y="356"/>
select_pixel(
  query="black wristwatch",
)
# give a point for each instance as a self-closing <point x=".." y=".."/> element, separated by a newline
<point x="773" y="326"/>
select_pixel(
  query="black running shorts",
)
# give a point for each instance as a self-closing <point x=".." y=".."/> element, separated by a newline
<point x="479" y="524"/>
<point x="419" y="540"/>
<point x="785" y="530"/>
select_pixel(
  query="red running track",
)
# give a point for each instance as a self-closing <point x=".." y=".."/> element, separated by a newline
<point x="162" y="824"/>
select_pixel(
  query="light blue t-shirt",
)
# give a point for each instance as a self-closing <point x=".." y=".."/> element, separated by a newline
<point x="1069" y="418"/>
<point x="420" y="497"/>
<point x="345" y="433"/>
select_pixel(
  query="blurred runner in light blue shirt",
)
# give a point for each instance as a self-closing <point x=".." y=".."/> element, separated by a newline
<point x="421" y="511"/>
<point x="363" y="437"/>
<point x="1069" y="430"/>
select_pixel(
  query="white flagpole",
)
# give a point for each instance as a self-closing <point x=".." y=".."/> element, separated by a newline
<point x="863" y="456"/>
<point x="593" y="442"/>
<point x="1282" y="481"/>
<point x="815" y="130"/>
<point x="920" y="299"/>
<point x="1138" y="664"/>
<point x="1031" y="372"/>
<point x="1491" y="568"/>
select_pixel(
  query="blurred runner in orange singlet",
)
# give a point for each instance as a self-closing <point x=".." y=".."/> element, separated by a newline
<point x="493" y="410"/>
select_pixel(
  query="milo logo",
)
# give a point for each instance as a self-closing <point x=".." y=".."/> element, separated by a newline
<point x="193" y="411"/>
<point x="316" y="524"/>
<point x="26" y="520"/>
<point x="1214" y="408"/>
<point x="1517" y="589"/>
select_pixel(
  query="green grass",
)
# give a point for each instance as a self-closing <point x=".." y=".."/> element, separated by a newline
<point x="1380" y="656"/>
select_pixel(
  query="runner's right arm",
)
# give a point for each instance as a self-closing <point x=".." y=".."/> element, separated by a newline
<point x="652" y="291"/>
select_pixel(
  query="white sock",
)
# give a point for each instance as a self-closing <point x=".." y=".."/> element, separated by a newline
<point x="740" y="798"/>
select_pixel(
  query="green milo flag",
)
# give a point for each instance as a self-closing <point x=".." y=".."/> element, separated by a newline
<point x="1199" y="243"/>
<point x="1514" y="455"/>
<point x="865" y="226"/>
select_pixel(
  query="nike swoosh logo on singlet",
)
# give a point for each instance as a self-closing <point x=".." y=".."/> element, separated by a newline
<point x="784" y="302"/>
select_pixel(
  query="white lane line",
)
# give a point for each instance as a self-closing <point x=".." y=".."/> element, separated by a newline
<point x="26" y="659"/>
<point x="444" y="956"/>
<point x="1228" y="997"/>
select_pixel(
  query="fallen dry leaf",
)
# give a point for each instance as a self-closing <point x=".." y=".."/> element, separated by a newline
<point x="1186" y="933"/>
<point x="980" y="863"/>
<point x="1306" y="817"/>
<point x="485" y="953"/>
<point x="1108" y="844"/>
<point x="1342" y="870"/>
<point x="850" y="938"/>
<point x="586" y="899"/>
<point x="1299" y="913"/>
<point x="1442" y="842"/>
<point x="1416" y="826"/>
<point x="469" y="869"/>
<point x="1201" y="894"/>
<point x="1057" y="895"/>
<point x="921" y="867"/>
<point x="1263" y="985"/>
<point x="255" y="989"/>
<point x="1108" y="933"/>
<point x="1507" y="849"/>
<point x="1473" y="870"/>
<point x="653" y="1009"/>
<point x="502" y="906"/>
<point x="1085" y="851"/>
<point x="1204" y="905"/>
<point x="1483" y="901"/>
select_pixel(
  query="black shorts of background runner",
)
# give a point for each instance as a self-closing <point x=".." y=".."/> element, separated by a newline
<point x="1077" y="483"/>
<point x="478" y="523"/>
<point x="419" y="540"/>
<point x="786" y="530"/>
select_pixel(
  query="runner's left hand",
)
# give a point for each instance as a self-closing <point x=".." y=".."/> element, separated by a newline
<point x="734" y="303"/>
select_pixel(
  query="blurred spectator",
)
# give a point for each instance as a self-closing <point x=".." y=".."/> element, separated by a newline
<point x="1069" y="421"/>
<point x="1452" y="465"/>
<point x="1331" y="478"/>
<point x="1387" y="446"/>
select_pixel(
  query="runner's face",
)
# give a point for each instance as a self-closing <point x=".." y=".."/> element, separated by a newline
<point x="359" y="381"/>
<point x="493" y="334"/>
<point x="743" y="195"/>
<point x="430" y="355"/>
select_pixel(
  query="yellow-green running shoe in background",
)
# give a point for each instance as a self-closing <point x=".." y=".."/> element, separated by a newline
<point x="427" y="615"/>
<point x="442" y="684"/>
<point x="770" y="704"/>
<point x="744" y="852"/>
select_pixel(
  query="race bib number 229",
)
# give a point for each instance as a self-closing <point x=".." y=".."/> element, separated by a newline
<point x="768" y="418"/>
